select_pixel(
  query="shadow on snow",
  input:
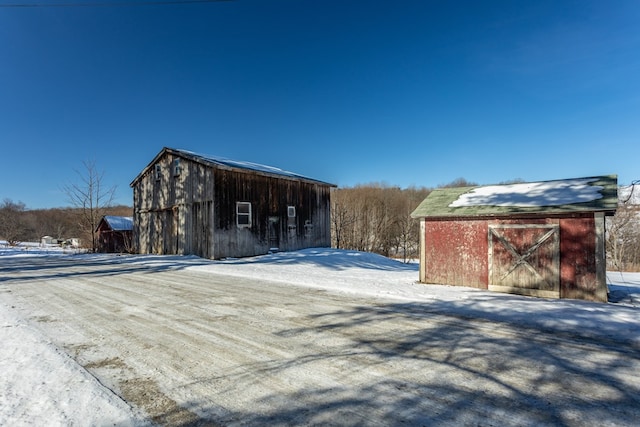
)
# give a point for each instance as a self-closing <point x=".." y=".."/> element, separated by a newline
<point x="574" y="375"/>
<point x="41" y="268"/>
<point x="580" y="383"/>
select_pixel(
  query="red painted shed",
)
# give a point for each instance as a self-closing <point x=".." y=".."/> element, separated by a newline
<point x="115" y="234"/>
<point x="542" y="239"/>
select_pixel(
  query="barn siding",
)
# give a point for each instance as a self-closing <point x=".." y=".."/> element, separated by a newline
<point x="173" y="213"/>
<point x="194" y="212"/>
<point x="271" y="227"/>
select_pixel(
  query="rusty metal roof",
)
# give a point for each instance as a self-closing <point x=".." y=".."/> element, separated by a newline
<point x="590" y="194"/>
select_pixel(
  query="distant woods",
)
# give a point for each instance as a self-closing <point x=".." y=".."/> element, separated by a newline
<point x="623" y="237"/>
<point x="377" y="218"/>
<point x="372" y="218"/>
<point x="18" y="224"/>
<point x="90" y="201"/>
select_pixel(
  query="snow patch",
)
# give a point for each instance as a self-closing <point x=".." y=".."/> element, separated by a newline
<point x="532" y="194"/>
<point x="68" y="395"/>
<point x="42" y="385"/>
<point x="119" y="223"/>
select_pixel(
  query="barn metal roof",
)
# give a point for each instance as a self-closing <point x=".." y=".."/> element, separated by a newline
<point x="231" y="164"/>
<point x="590" y="194"/>
<point x="119" y="223"/>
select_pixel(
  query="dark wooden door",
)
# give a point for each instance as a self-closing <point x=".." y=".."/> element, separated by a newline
<point x="201" y="226"/>
<point x="274" y="233"/>
<point x="525" y="259"/>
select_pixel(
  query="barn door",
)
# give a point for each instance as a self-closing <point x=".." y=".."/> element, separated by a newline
<point x="274" y="233"/>
<point x="170" y="232"/>
<point x="201" y="229"/>
<point x="525" y="259"/>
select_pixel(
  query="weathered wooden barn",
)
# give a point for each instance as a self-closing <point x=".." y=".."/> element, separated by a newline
<point x="115" y="234"/>
<point x="187" y="203"/>
<point x="543" y="239"/>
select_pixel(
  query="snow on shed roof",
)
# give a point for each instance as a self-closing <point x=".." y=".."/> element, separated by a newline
<point x="119" y="223"/>
<point x="558" y="196"/>
<point x="229" y="163"/>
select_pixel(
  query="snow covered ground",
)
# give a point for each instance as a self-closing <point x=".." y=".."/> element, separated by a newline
<point x="69" y="395"/>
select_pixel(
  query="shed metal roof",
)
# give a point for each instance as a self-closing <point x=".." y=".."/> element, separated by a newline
<point x="590" y="194"/>
<point x="119" y="223"/>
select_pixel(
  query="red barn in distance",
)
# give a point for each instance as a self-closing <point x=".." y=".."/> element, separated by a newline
<point x="544" y="239"/>
<point x="115" y="234"/>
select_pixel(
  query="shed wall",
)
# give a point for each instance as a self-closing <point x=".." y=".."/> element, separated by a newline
<point x="578" y="267"/>
<point x="456" y="253"/>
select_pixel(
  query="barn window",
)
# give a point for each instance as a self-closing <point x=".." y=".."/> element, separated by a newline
<point x="177" y="169"/>
<point x="291" y="211"/>
<point x="158" y="172"/>
<point x="243" y="214"/>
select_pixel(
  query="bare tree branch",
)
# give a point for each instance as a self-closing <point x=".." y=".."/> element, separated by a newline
<point x="91" y="199"/>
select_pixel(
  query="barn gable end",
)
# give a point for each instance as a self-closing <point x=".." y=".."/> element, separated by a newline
<point x="187" y="203"/>
<point x="541" y="239"/>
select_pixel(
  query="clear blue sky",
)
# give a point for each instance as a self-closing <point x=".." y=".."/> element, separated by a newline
<point x="346" y="91"/>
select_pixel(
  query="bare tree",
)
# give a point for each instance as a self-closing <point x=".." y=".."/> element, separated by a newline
<point x="342" y="218"/>
<point x="408" y="243"/>
<point x="623" y="233"/>
<point x="376" y="218"/>
<point x="12" y="224"/>
<point x="91" y="199"/>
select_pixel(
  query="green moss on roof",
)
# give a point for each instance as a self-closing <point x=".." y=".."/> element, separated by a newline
<point x="588" y="194"/>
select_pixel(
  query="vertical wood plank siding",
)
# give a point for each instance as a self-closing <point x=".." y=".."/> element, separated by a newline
<point x="269" y="197"/>
<point x="194" y="212"/>
<point x="456" y="252"/>
<point x="578" y="249"/>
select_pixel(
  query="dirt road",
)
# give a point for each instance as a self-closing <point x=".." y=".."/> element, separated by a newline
<point x="192" y="348"/>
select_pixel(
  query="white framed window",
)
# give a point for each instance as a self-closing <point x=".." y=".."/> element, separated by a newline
<point x="243" y="214"/>
<point x="158" y="172"/>
<point x="177" y="169"/>
<point x="291" y="211"/>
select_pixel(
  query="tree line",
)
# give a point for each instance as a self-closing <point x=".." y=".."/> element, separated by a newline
<point x="372" y="218"/>
<point x="19" y="224"/>
<point x="623" y="237"/>
<point x="90" y="201"/>
<point x="377" y="218"/>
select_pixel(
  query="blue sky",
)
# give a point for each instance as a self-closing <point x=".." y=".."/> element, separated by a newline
<point x="350" y="92"/>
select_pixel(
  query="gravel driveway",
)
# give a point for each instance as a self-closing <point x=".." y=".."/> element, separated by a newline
<point x="194" y="348"/>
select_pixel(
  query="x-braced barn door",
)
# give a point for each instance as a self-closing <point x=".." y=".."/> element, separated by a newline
<point x="525" y="259"/>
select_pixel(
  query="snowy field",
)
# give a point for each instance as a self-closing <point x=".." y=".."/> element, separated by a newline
<point x="43" y="385"/>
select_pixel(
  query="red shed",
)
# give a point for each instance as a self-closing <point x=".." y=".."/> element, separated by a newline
<point x="115" y="233"/>
<point x="542" y="239"/>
